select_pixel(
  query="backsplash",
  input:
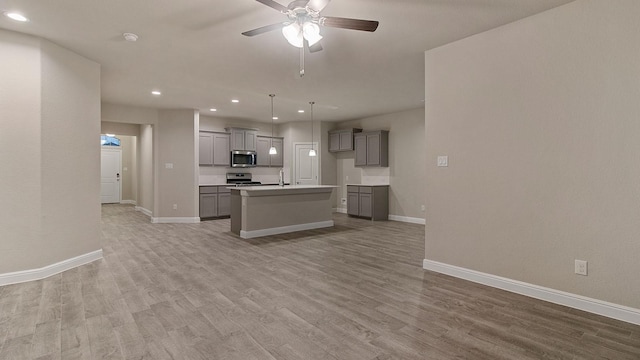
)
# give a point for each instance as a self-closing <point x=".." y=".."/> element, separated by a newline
<point x="375" y="176"/>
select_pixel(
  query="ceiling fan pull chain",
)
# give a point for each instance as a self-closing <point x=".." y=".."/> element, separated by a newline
<point x="302" y="61"/>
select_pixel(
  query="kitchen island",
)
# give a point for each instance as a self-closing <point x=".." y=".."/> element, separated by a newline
<point x="269" y="210"/>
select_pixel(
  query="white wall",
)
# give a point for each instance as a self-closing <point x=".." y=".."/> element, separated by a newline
<point x="50" y="182"/>
<point x="540" y="120"/>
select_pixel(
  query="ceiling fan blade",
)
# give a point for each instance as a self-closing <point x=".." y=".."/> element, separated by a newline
<point x="318" y="5"/>
<point x="274" y="5"/>
<point x="315" y="47"/>
<point x="263" y="29"/>
<point x="345" y="23"/>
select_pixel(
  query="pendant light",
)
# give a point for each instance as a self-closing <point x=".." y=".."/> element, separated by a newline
<point x="312" y="152"/>
<point x="272" y="149"/>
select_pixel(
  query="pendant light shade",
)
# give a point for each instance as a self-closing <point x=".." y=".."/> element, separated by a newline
<point x="312" y="152"/>
<point x="296" y="33"/>
<point x="272" y="149"/>
<point x="293" y="34"/>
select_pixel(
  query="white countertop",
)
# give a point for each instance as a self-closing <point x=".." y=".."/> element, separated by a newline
<point x="278" y="187"/>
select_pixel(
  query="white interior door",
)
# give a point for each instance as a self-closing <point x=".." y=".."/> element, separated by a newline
<point x="110" y="170"/>
<point x="306" y="167"/>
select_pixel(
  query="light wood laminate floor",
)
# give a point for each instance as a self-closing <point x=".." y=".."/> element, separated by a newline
<point x="356" y="291"/>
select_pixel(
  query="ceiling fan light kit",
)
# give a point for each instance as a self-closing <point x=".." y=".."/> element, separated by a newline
<point x="303" y="28"/>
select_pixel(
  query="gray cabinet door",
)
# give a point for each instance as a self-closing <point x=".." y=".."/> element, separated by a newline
<point x="250" y="140"/>
<point x="334" y="141"/>
<point x="346" y="140"/>
<point x="205" y="153"/>
<point x="365" y="205"/>
<point x="224" y="204"/>
<point x="278" y="159"/>
<point x="373" y="150"/>
<point x="208" y="205"/>
<point x="353" y="203"/>
<point x="237" y="139"/>
<point x="262" y="149"/>
<point x="361" y="150"/>
<point x="221" y="149"/>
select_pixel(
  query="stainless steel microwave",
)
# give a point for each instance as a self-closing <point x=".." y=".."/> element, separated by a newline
<point x="243" y="158"/>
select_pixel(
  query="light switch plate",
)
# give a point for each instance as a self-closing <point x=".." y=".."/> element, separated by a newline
<point x="443" y="160"/>
<point x="168" y="165"/>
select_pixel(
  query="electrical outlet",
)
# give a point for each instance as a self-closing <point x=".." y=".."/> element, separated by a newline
<point x="422" y="208"/>
<point x="175" y="206"/>
<point x="581" y="267"/>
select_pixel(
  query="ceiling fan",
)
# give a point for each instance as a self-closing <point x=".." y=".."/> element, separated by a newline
<point x="303" y="27"/>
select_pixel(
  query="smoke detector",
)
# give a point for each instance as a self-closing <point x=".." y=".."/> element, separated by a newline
<point x="130" y="37"/>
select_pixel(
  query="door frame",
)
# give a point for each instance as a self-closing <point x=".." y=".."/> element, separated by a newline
<point x="294" y="168"/>
<point x="119" y="151"/>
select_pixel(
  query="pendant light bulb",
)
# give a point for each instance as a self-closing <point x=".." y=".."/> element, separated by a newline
<point x="312" y="152"/>
<point x="272" y="149"/>
<point x="293" y="34"/>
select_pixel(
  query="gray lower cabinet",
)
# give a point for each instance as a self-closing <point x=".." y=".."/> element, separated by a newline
<point x="372" y="148"/>
<point x="215" y="201"/>
<point x="369" y="201"/>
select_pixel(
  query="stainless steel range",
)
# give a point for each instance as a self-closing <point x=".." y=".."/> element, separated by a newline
<point x="241" y="179"/>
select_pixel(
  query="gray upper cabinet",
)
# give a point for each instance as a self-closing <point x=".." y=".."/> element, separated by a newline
<point x="372" y="148"/>
<point x="243" y="139"/>
<point x="206" y="149"/>
<point x="214" y="149"/>
<point x="263" y="143"/>
<point x="221" y="149"/>
<point x="341" y="140"/>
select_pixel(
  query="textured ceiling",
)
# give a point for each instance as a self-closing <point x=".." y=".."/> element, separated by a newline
<point x="193" y="51"/>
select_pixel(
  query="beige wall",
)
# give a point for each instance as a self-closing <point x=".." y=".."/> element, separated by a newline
<point x="539" y="119"/>
<point x="129" y="168"/>
<point x="109" y="127"/>
<point x="50" y="121"/>
<point x="175" y="143"/>
<point x="145" y="168"/>
<point x="406" y="170"/>
<point x="118" y="113"/>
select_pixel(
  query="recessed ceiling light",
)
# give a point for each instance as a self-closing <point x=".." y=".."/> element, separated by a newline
<point x="16" y="16"/>
<point x="300" y="111"/>
<point x="235" y="100"/>
<point x="156" y="92"/>
<point x="212" y="109"/>
<point x="112" y="135"/>
<point x="130" y="37"/>
<point x="275" y="118"/>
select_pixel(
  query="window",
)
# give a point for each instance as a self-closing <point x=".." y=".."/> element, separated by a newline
<point x="109" y="140"/>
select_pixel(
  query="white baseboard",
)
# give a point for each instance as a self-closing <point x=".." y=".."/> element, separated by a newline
<point x="611" y="310"/>
<point x="407" y="219"/>
<point x="285" y="229"/>
<point x="132" y="202"/>
<point x="144" y="211"/>
<point x="44" y="272"/>
<point x="391" y="217"/>
<point x="175" y="220"/>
